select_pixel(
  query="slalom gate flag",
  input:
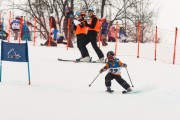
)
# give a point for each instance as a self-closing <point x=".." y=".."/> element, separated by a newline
<point x="14" y="52"/>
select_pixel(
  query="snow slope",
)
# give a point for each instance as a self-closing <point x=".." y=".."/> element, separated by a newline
<point x="60" y="90"/>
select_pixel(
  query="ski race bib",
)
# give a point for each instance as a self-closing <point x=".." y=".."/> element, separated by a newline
<point x="116" y="70"/>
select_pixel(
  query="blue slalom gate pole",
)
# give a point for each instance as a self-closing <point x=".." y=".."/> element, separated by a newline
<point x="28" y="64"/>
<point x="1" y="49"/>
<point x="1" y="71"/>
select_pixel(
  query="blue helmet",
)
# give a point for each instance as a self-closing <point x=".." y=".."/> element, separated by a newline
<point x="78" y="13"/>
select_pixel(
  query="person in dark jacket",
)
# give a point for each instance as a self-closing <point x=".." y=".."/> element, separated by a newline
<point x="3" y="33"/>
<point x="104" y="30"/>
<point x="93" y="29"/>
<point x="52" y="22"/>
<point x="69" y="15"/>
<point x="25" y="31"/>
<point x="51" y="40"/>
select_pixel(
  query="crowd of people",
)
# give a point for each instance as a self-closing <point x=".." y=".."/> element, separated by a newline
<point x="15" y="25"/>
<point x="105" y="31"/>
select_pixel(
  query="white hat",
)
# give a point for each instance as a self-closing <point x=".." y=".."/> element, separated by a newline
<point x="91" y="8"/>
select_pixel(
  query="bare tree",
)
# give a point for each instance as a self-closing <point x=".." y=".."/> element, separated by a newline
<point x="41" y="10"/>
<point x="102" y="7"/>
<point x="144" y="13"/>
<point x="127" y="12"/>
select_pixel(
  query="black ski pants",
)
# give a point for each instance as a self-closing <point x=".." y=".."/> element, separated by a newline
<point x="92" y="37"/>
<point x="80" y="40"/>
<point x="118" y="78"/>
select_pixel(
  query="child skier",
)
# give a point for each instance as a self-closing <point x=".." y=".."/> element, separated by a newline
<point x="114" y="66"/>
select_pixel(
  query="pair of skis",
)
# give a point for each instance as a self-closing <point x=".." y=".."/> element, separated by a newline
<point x="123" y="92"/>
<point x="77" y="61"/>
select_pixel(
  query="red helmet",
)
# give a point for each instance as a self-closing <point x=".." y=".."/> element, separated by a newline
<point x="83" y="13"/>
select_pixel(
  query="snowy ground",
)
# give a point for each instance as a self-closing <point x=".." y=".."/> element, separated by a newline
<point x="60" y="91"/>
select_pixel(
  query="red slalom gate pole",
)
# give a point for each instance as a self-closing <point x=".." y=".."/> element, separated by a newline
<point x="9" y="27"/>
<point x="155" y="51"/>
<point x="49" y="42"/>
<point x="139" y="37"/>
<point x="68" y="34"/>
<point x="174" y="54"/>
<point x="116" y="37"/>
<point x="20" y="32"/>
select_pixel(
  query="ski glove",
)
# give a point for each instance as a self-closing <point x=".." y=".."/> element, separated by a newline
<point x="85" y="22"/>
<point x="82" y="24"/>
<point x="124" y="65"/>
<point x="102" y="70"/>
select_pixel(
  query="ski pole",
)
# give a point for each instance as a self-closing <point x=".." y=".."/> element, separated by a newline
<point x="129" y="77"/>
<point x="94" y="80"/>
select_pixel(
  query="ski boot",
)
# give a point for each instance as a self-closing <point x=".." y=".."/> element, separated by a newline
<point x="109" y="90"/>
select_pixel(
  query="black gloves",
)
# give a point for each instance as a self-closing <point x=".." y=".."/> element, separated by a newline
<point x="102" y="70"/>
<point x="124" y="65"/>
<point x="85" y="22"/>
<point x="82" y="23"/>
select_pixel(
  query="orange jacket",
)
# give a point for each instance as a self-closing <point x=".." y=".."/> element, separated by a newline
<point x="97" y="26"/>
<point x="81" y="30"/>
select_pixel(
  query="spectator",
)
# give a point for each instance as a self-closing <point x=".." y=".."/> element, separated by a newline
<point x="122" y="34"/>
<point x="25" y="31"/>
<point x="15" y="26"/>
<point x="54" y="34"/>
<point x="104" y="30"/>
<point x="111" y="34"/>
<point x="52" y="22"/>
<point x="70" y="35"/>
<point x="3" y="34"/>
<point x="52" y="38"/>
<point x="60" y="38"/>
